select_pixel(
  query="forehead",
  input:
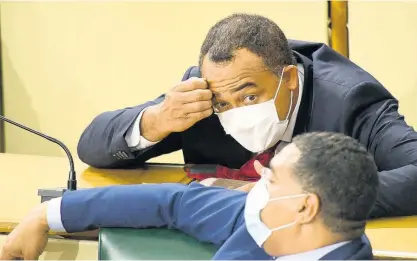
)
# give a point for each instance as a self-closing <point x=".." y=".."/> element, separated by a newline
<point x="244" y="64"/>
<point x="285" y="159"/>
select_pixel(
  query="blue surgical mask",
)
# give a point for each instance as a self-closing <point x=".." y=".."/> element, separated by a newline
<point x="257" y="200"/>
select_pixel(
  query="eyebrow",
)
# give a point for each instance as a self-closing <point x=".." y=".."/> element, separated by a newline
<point x="243" y="86"/>
<point x="239" y="88"/>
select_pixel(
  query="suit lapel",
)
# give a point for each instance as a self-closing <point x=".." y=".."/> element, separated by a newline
<point x="304" y="112"/>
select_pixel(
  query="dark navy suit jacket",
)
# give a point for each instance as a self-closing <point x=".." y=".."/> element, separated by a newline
<point x="209" y="214"/>
<point x="338" y="96"/>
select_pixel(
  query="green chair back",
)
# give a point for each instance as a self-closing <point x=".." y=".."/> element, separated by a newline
<point x="151" y="244"/>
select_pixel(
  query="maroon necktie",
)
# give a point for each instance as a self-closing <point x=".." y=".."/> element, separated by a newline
<point x="247" y="172"/>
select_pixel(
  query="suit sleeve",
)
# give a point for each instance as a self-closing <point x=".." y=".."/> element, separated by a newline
<point x="375" y="120"/>
<point x="103" y="143"/>
<point x="210" y="214"/>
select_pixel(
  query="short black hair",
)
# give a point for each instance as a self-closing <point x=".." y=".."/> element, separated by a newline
<point x="255" y="33"/>
<point x="343" y="174"/>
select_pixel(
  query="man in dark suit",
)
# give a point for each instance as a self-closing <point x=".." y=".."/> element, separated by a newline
<point x="312" y="203"/>
<point x="263" y="90"/>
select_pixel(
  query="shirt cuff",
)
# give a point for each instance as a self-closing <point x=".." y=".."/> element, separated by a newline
<point x="133" y="138"/>
<point x="53" y="215"/>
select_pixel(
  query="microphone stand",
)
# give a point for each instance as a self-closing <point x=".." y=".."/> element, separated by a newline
<point x="47" y="194"/>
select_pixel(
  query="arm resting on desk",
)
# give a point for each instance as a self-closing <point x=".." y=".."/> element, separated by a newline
<point x="210" y="214"/>
<point x="107" y="142"/>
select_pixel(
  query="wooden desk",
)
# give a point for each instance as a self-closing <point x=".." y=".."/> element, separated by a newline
<point x="22" y="175"/>
<point x="394" y="238"/>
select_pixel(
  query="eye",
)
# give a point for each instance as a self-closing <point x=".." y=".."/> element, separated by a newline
<point x="250" y="98"/>
<point x="220" y="106"/>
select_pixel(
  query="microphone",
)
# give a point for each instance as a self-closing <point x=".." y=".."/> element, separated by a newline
<point x="72" y="177"/>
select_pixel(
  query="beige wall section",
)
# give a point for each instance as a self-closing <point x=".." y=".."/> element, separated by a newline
<point x="383" y="40"/>
<point x="66" y="62"/>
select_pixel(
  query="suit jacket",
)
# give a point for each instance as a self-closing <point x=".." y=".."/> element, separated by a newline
<point x="338" y="96"/>
<point x="209" y="214"/>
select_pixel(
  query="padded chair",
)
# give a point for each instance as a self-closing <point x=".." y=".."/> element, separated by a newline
<point x="151" y="244"/>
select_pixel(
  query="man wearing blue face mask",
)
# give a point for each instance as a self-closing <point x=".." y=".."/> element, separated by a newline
<point x="251" y="93"/>
<point x="310" y="204"/>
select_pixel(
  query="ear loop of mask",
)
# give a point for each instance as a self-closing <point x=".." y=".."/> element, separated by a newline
<point x="275" y="97"/>
<point x="292" y="223"/>
<point x="288" y="197"/>
<point x="284" y="226"/>
<point x="276" y="94"/>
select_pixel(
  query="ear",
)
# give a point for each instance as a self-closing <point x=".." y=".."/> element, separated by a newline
<point x="291" y="77"/>
<point x="309" y="209"/>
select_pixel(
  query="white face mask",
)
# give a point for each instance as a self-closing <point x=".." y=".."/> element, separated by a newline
<point x="257" y="200"/>
<point x="256" y="127"/>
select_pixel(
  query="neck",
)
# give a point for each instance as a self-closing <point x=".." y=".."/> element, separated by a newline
<point x="321" y="238"/>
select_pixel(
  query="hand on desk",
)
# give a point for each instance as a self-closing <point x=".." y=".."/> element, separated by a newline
<point x="234" y="184"/>
<point x="246" y="188"/>
<point x="28" y="240"/>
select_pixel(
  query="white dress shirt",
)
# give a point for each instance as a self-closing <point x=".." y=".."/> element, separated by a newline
<point x="315" y="254"/>
<point x="53" y="215"/>
<point x="134" y="140"/>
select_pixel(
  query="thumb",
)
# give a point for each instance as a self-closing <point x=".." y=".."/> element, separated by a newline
<point x="258" y="167"/>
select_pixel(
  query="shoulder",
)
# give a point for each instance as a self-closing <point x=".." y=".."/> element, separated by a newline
<point x="339" y="76"/>
<point x="331" y="68"/>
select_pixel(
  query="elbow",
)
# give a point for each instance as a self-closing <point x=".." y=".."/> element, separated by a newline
<point x="89" y="154"/>
<point x="103" y="137"/>
<point x="92" y="152"/>
<point x="92" y="159"/>
<point x="84" y="151"/>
